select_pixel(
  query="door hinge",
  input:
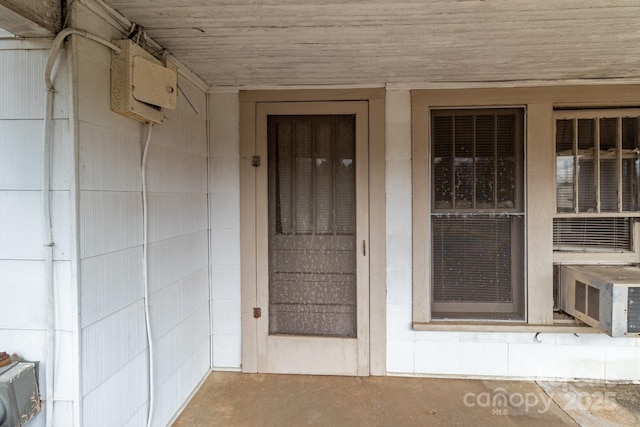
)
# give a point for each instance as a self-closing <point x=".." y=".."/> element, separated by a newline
<point x="364" y="248"/>
<point x="255" y="161"/>
<point x="257" y="312"/>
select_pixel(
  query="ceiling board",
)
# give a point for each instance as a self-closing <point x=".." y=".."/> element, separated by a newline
<point x="320" y="42"/>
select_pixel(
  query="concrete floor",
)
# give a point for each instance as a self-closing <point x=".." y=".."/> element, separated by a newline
<point x="234" y="399"/>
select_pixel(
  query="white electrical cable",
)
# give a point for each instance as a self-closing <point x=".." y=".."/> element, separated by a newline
<point x="48" y="256"/>
<point x="145" y="270"/>
<point x="57" y="43"/>
<point x="46" y="200"/>
<point x="46" y="208"/>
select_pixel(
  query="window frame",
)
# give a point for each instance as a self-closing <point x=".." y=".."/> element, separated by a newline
<point x="481" y="311"/>
<point x="605" y="255"/>
<point x="540" y="209"/>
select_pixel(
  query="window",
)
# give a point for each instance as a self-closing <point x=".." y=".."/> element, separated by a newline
<point x="477" y="214"/>
<point x="492" y="215"/>
<point x="597" y="179"/>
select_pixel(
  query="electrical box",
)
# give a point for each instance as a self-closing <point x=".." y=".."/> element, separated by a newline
<point x="19" y="396"/>
<point x="141" y="85"/>
<point x="606" y="297"/>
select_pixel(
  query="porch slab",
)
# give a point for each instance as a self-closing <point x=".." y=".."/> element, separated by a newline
<point x="235" y="399"/>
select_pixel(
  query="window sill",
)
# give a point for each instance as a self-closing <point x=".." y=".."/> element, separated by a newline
<point x="554" y="328"/>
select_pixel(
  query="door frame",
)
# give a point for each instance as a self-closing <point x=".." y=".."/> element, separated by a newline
<point x="251" y="245"/>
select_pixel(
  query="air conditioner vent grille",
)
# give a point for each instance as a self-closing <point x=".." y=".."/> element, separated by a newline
<point x="581" y="297"/>
<point x="633" y="310"/>
<point x="593" y="303"/>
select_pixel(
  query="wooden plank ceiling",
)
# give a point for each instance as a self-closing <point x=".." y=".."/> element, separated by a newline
<point x="412" y="42"/>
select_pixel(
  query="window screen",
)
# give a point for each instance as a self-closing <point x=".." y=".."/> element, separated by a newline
<point x="312" y="225"/>
<point x="477" y="218"/>
<point x="597" y="168"/>
<point x="597" y="173"/>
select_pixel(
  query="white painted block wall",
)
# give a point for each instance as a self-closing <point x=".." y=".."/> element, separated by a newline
<point x="23" y="310"/>
<point x="224" y="188"/>
<point x="400" y="337"/>
<point x="409" y="352"/>
<point x="518" y="355"/>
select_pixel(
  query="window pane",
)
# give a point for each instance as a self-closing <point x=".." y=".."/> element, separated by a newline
<point x="630" y="174"/>
<point x="586" y="166"/>
<point x="608" y="135"/>
<point x="564" y="165"/>
<point x="442" y="162"/>
<point x="485" y="161"/>
<point x="564" y="137"/>
<point x="506" y="161"/>
<point x="477" y="248"/>
<point x="630" y="164"/>
<point x="463" y="165"/>
<point x="608" y="172"/>
<point x="476" y="268"/>
<point x="608" y="185"/>
<point x="629" y="133"/>
<point x="471" y="259"/>
<point x="609" y="165"/>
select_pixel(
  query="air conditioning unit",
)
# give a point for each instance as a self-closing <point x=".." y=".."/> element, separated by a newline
<point x="604" y="297"/>
<point x="19" y="396"/>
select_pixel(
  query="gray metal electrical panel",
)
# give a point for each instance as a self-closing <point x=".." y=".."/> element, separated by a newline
<point x="19" y="396"/>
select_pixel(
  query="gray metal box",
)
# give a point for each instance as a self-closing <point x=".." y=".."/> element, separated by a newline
<point x="19" y="396"/>
<point x="606" y="297"/>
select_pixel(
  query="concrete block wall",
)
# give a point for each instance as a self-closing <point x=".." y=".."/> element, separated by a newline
<point x="494" y="354"/>
<point x="224" y="188"/>
<point x="400" y="347"/>
<point x="409" y="352"/>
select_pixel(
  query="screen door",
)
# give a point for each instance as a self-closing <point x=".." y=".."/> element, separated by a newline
<point x="317" y="270"/>
<point x="312" y="225"/>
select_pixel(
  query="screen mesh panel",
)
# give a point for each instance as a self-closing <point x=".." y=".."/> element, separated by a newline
<point x="581" y="297"/>
<point x="472" y="258"/>
<point x="597" y="163"/>
<point x="593" y="302"/>
<point x="564" y="165"/>
<point x="630" y="164"/>
<point x="477" y="219"/>
<point x="312" y="260"/>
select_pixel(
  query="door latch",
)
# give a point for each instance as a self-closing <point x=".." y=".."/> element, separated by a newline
<point x="257" y="312"/>
<point x="255" y="161"/>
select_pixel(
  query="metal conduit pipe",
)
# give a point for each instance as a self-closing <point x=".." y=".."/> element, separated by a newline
<point x="46" y="204"/>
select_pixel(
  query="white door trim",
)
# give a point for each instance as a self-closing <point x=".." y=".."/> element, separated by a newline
<point x="376" y="249"/>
